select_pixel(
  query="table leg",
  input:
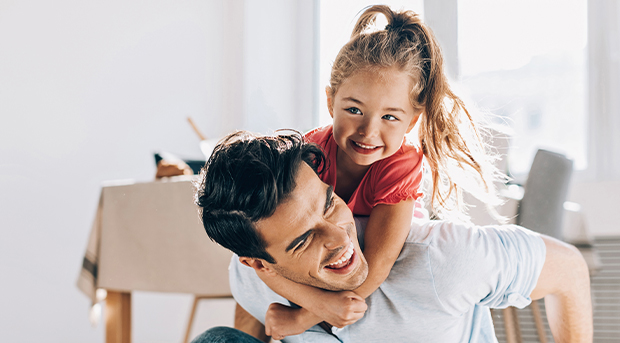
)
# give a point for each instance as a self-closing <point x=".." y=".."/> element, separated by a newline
<point x="118" y="317"/>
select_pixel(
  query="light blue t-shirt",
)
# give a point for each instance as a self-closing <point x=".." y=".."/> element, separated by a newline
<point x="440" y="289"/>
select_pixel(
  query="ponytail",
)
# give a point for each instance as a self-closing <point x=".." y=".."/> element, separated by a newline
<point x="450" y="138"/>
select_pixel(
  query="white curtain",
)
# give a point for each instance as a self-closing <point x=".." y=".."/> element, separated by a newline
<point x="604" y="88"/>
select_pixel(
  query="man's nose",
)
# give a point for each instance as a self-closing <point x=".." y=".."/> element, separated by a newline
<point x="336" y="237"/>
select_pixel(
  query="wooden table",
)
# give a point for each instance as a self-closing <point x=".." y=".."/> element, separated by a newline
<point x="148" y="237"/>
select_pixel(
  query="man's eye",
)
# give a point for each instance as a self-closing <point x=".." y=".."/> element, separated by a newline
<point x="300" y="245"/>
<point x="389" y="117"/>
<point x="354" y="110"/>
<point x="331" y="204"/>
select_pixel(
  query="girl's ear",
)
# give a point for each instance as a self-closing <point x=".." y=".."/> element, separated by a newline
<point x="414" y="121"/>
<point x="260" y="266"/>
<point x="330" y="104"/>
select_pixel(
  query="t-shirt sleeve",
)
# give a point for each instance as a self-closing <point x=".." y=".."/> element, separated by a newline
<point x="397" y="178"/>
<point x="319" y="135"/>
<point x="490" y="266"/>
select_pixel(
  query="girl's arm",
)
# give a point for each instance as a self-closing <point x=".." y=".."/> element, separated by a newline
<point x="387" y="229"/>
<point x="337" y="308"/>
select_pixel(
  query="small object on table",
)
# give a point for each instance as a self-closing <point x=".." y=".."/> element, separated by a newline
<point x="172" y="168"/>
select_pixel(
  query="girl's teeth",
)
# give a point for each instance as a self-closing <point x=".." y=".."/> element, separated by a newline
<point x="364" y="146"/>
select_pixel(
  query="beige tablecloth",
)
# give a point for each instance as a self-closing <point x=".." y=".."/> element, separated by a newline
<point x="148" y="237"/>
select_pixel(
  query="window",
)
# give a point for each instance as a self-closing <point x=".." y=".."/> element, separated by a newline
<point x="525" y="61"/>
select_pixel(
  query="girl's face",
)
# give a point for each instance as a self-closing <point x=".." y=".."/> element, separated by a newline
<point x="372" y="113"/>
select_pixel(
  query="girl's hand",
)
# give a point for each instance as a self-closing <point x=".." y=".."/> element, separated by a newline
<point x="340" y="308"/>
<point x="282" y="321"/>
<point x="336" y="308"/>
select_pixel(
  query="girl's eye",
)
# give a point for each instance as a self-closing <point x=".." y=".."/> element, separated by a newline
<point x="354" y="110"/>
<point x="389" y="117"/>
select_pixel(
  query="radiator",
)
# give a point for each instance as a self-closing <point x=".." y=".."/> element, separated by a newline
<point x="605" y="286"/>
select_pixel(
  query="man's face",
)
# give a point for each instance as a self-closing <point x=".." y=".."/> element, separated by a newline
<point x="312" y="237"/>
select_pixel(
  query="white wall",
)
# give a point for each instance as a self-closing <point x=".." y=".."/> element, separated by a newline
<point x="88" y="91"/>
<point x="599" y="203"/>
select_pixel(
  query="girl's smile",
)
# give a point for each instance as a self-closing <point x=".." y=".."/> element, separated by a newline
<point x="364" y="148"/>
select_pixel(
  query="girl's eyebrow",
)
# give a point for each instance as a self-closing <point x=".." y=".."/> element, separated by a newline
<point x="353" y="100"/>
<point x="394" y="109"/>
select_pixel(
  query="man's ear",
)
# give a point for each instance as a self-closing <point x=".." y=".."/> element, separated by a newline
<point x="260" y="266"/>
<point x="414" y="121"/>
<point x="330" y="103"/>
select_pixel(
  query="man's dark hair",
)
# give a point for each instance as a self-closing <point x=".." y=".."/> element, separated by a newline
<point x="244" y="180"/>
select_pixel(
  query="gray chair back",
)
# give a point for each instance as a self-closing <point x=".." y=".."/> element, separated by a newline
<point x="546" y="188"/>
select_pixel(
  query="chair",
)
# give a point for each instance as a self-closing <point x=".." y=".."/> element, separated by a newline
<point x="546" y="188"/>
<point x="542" y="210"/>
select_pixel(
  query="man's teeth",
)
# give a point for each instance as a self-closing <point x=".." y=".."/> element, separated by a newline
<point x="347" y="255"/>
<point x="364" y="146"/>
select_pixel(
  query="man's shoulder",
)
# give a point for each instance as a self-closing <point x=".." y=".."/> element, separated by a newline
<point x="445" y="240"/>
<point x="433" y="231"/>
<point x="471" y="264"/>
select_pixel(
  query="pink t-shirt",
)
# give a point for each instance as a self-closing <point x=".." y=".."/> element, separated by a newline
<point x="387" y="181"/>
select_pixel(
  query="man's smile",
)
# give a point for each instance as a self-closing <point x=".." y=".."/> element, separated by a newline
<point x="345" y="259"/>
<point x="346" y="264"/>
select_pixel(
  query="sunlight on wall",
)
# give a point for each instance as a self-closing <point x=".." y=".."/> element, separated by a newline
<point x="496" y="35"/>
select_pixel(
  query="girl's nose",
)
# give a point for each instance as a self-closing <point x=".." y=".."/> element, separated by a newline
<point x="367" y="128"/>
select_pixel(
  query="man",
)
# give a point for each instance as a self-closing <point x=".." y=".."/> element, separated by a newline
<point x="261" y="198"/>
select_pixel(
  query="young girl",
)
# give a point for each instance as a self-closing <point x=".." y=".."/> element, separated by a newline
<point x="383" y="83"/>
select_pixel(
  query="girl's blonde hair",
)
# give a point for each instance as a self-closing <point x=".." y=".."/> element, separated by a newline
<point x="448" y="134"/>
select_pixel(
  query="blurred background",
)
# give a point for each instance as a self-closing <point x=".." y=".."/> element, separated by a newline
<point x="90" y="90"/>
